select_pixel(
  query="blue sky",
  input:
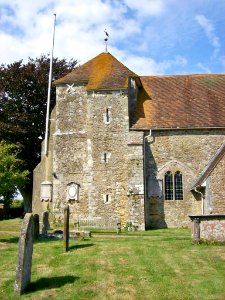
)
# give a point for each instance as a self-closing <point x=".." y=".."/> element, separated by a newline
<point x="151" y="37"/>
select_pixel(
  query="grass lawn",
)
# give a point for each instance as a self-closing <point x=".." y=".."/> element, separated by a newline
<point x="157" y="264"/>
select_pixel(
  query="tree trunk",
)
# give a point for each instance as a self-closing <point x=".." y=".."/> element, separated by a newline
<point x="27" y="199"/>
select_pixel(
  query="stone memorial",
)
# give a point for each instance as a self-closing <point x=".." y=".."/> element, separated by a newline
<point x="45" y="223"/>
<point x="66" y="228"/>
<point x="210" y="228"/>
<point x="25" y="251"/>
<point x="36" y="226"/>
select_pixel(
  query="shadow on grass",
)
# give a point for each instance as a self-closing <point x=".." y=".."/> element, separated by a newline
<point x="10" y="240"/>
<point x="80" y="246"/>
<point x="45" y="241"/>
<point x="182" y="238"/>
<point x="50" y="283"/>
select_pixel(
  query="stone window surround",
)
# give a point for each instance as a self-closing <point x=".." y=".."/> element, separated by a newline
<point x="106" y="198"/>
<point x="174" y="166"/>
<point x="107" y="115"/>
<point x="105" y="156"/>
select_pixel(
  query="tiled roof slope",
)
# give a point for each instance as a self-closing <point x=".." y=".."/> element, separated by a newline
<point x="180" y="101"/>
<point x="103" y="72"/>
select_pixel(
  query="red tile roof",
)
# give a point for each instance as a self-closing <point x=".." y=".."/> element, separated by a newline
<point x="180" y="101"/>
<point x="103" y="72"/>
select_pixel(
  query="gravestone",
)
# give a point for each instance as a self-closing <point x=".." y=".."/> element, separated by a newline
<point x="25" y="251"/>
<point x="66" y="228"/>
<point x="45" y="223"/>
<point x="36" y="226"/>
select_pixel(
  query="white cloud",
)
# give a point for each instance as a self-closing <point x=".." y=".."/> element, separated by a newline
<point x="147" y="7"/>
<point x="152" y="36"/>
<point x="148" y="66"/>
<point x="208" y="27"/>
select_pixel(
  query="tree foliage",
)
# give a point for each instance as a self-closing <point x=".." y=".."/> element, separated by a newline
<point x="23" y="97"/>
<point x="11" y="175"/>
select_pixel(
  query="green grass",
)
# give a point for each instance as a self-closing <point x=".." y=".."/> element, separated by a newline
<point x="11" y="225"/>
<point x="157" y="264"/>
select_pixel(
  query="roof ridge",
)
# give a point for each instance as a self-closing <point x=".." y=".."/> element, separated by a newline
<point x="182" y="75"/>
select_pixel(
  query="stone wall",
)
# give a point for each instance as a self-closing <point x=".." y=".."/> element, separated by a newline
<point x="91" y="151"/>
<point x="136" y="180"/>
<point x="217" y="188"/>
<point x="43" y="172"/>
<point x="188" y="151"/>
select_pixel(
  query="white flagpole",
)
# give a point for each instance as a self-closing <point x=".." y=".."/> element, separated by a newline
<point x="49" y="90"/>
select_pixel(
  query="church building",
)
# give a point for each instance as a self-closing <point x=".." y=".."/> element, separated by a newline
<point x="143" y="151"/>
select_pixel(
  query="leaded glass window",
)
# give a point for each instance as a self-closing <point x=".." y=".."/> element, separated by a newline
<point x="178" y="186"/>
<point x="173" y="186"/>
<point x="168" y="186"/>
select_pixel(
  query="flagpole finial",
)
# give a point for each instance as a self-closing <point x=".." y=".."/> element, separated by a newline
<point x="106" y="40"/>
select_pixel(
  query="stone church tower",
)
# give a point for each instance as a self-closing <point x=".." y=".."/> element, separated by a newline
<point x="147" y="151"/>
<point x="94" y="163"/>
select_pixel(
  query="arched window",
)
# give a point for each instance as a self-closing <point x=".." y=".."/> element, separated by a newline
<point x="178" y="186"/>
<point x="168" y="186"/>
<point x="173" y="186"/>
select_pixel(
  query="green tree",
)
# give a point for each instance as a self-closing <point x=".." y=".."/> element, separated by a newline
<point x="23" y="97"/>
<point x="11" y="175"/>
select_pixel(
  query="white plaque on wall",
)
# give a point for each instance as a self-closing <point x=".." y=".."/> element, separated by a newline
<point x="46" y="191"/>
<point x="72" y="191"/>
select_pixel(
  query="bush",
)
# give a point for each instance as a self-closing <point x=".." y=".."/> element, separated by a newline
<point x="15" y="210"/>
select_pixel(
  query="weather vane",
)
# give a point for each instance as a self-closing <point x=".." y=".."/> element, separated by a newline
<point x="106" y="40"/>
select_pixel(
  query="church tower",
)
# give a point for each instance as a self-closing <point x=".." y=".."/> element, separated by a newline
<point x="95" y="160"/>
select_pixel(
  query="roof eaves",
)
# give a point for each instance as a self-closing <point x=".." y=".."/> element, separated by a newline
<point x="175" y="128"/>
<point x="108" y="89"/>
<point x="59" y="82"/>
